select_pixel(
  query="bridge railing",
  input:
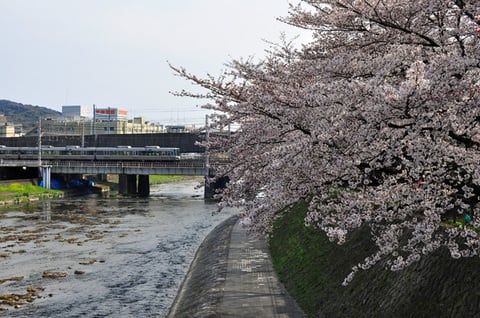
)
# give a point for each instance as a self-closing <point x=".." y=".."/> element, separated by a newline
<point x="115" y="166"/>
<point x="128" y="164"/>
<point x="18" y="163"/>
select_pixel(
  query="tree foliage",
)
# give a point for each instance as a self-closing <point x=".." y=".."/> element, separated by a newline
<point x="376" y="121"/>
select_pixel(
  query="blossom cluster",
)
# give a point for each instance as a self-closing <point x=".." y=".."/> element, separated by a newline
<point x="374" y="122"/>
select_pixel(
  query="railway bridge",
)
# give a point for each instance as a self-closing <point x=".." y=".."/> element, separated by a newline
<point x="133" y="175"/>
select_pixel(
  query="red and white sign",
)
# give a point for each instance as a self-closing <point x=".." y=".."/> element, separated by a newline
<point x="111" y="114"/>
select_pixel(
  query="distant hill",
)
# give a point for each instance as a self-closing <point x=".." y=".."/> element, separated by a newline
<point x="27" y="115"/>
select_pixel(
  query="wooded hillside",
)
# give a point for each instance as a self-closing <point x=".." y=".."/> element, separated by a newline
<point x="25" y="114"/>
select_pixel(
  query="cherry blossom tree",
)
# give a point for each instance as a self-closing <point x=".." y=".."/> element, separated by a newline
<point x="375" y="121"/>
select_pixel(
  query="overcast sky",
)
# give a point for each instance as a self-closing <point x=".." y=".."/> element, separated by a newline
<point x="114" y="53"/>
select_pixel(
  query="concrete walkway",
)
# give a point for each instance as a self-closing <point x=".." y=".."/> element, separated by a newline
<point x="252" y="288"/>
<point x="232" y="276"/>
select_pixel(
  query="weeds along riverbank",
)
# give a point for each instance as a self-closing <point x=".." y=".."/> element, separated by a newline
<point x="20" y="193"/>
<point x="312" y="269"/>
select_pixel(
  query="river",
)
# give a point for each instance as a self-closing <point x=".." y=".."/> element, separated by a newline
<point x="102" y="257"/>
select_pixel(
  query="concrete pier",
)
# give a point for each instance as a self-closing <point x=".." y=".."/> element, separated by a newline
<point x="143" y="188"/>
<point x="127" y="185"/>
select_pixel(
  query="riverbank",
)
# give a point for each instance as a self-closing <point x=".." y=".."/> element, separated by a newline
<point x="111" y="184"/>
<point x="162" y="179"/>
<point x="312" y="269"/>
<point x="200" y="293"/>
<point x="14" y="193"/>
<point x="156" y="179"/>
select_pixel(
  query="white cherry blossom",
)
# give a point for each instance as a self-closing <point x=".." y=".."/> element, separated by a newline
<point x="376" y="121"/>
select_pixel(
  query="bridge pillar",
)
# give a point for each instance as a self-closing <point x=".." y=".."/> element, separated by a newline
<point x="127" y="185"/>
<point x="46" y="176"/>
<point x="122" y="184"/>
<point x="132" y="184"/>
<point x="144" y="185"/>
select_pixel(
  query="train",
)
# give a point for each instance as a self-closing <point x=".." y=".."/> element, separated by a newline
<point x="122" y="153"/>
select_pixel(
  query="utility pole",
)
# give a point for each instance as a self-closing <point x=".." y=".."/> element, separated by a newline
<point x="40" y="145"/>
<point x="83" y="132"/>
<point x="92" y="128"/>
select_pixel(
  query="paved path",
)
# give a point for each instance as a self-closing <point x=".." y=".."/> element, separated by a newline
<point x="232" y="276"/>
<point x="252" y="288"/>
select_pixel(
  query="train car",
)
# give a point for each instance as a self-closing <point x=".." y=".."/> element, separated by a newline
<point x="192" y="156"/>
<point x="164" y="153"/>
<point x="17" y="153"/>
<point x="148" y="153"/>
<point x="125" y="153"/>
<point x="77" y="153"/>
<point x="11" y="153"/>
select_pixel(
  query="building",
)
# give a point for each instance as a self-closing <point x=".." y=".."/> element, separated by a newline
<point x="110" y="120"/>
<point x="103" y="127"/>
<point x="124" y="127"/>
<point x="7" y="130"/>
<point x="74" y="112"/>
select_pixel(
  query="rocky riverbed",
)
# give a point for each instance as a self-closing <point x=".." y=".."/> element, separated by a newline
<point x="98" y="257"/>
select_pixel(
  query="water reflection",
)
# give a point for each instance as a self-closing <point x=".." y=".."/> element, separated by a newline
<point x="121" y="257"/>
<point x="46" y="211"/>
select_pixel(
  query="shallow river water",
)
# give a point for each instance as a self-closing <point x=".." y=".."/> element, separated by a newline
<point x="97" y="257"/>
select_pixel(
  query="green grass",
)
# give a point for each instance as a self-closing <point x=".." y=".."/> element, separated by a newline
<point x="156" y="179"/>
<point x="20" y="192"/>
<point x="296" y="253"/>
<point x="24" y="188"/>
<point x="302" y="257"/>
<point x="312" y="269"/>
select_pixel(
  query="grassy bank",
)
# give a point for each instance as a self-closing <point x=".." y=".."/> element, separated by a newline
<point x="19" y="193"/>
<point x="312" y="269"/>
<point x="302" y="258"/>
<point x="158" y="179"/>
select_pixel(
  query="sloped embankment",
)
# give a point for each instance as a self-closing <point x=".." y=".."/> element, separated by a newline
<point x="312" y="269"/>
<point x="201" y="291"/>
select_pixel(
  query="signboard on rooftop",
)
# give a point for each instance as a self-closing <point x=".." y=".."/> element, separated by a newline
<point x="110" y="113"/>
